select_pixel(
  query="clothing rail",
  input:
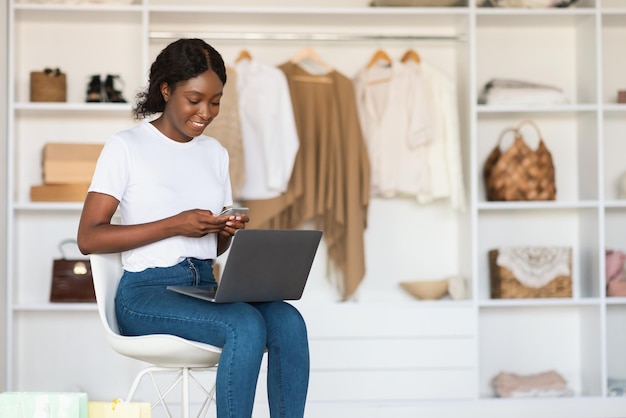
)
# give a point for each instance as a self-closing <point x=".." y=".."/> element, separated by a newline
<point x="262" y="36"/>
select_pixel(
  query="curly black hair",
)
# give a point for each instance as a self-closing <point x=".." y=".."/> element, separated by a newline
<point x="179" y="61"/>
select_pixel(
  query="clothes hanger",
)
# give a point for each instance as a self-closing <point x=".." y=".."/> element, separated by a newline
<point x="411" y="55"/>
<point x="244" y="54"/>
<point x="309" y="54"/>
<point x="379" y="55"/>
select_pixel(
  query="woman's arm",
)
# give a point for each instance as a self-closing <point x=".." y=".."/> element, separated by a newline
<point x="96" y="234"/>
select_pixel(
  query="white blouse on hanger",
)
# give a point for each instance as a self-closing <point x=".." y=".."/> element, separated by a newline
<point x="396" y="125"/>
<point x="444" y="152"/>
<point x="270" y="138"/>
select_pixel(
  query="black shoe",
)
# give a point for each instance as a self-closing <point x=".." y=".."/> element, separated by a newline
<point x="112" y="95"/>
<point x="94" y="90"/>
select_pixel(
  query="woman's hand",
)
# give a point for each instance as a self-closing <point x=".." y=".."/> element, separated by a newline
<point x="233" y="223"/>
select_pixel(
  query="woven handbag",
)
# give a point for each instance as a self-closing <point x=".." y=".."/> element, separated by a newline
<point x="519" y="173"/>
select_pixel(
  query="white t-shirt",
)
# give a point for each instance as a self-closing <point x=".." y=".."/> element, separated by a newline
<point x="155" y="177"/>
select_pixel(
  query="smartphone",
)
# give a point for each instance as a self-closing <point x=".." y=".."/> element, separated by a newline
<point x="234" y="211"/>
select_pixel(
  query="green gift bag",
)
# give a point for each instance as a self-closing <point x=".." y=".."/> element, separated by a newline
<point x="43" y="405"/>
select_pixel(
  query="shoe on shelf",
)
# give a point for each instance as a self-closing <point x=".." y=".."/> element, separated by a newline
<point x="112" y="95"/>
<point x="94" y="90"/>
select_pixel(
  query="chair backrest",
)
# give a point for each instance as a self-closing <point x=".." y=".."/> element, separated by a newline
<point x="107" y="272"/>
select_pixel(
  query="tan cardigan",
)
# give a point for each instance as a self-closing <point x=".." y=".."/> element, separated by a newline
<point x="330" y="182"/>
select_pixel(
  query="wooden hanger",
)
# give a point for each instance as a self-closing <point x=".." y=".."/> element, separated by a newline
<point x="379" y="55"/>
<point x="411" y="55"/>
<point x="243" y="55"/>
<point x="309" y="54"/>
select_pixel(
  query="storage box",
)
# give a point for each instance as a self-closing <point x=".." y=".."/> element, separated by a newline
<point x="69" y="163"/>
<point x="530" y="272"/>
<point x="48" y="86"/>
<point x="59" y="192"/>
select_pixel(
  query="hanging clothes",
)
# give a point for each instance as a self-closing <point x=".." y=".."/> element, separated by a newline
<point x="226" y="128"/>
<point x="330" y="182"/>
<point x="270" y="138"/>
<point x="444" y="152"/>
<point x="397" y="127"/>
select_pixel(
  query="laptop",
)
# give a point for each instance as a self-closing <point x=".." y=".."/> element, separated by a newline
<point x="263" y="265"/>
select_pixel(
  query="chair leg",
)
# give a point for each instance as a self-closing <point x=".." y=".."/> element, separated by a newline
<point x="185" y="394"/>
<point x="184" y="376"/>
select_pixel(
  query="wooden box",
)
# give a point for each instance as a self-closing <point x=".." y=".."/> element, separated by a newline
<point x="59" y="192"/>
<point x="530" y="272"/>
<point x="69" y="163"/>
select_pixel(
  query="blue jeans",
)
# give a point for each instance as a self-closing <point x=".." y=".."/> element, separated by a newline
<point x="243" y="330"/>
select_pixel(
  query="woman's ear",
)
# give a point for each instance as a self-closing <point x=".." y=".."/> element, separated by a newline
<point x="165" y="91"/>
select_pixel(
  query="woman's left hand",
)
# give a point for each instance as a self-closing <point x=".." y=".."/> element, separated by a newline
<point x="233" y="223"/>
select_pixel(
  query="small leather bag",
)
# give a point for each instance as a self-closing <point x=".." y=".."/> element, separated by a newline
<point x="519" y="173"/>
<point x="71" y="278"/>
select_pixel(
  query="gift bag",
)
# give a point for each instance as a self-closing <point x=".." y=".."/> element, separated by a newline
<point x="71" y="278"/>
<point x="119" y="409"/>
<point x="48" y="86"/>
<point x="43" y="405"/>
<point x="519" y="173"/>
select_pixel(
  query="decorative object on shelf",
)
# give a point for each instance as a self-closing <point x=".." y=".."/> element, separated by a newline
<point x="119" y="409"/>
<point x="112" y="94"/>
<point x="528" y="4"/>
<point x="44" y="404"/>
<point x="530" y="272"/>
<point x="426" y="289"/>
<point x="617" y="387"/>
<point x="99" y="91"/>
<point x="548" y="384"/>
<point x="49" y="85"/>
<point x="499" y="91"/>
<point x="621" y="96"/>
<point x="417" y="3"/>
<point x="71" y="278"/>
<point x="519" y="173"/>
<point x="615" y="273"/>
<point x="457" y="288"/>
<point x="94" y="90"/>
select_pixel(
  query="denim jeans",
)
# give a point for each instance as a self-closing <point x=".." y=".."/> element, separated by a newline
<point x="243" y="330"/>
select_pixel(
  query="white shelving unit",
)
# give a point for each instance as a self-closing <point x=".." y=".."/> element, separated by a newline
<point x="384" y="354"/>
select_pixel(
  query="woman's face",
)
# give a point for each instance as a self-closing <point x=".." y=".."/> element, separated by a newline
<point x="190" y="106"/>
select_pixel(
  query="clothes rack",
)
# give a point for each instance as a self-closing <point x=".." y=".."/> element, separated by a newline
<point x="262" y="36"/>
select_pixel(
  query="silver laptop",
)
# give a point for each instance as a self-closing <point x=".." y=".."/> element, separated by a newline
<point x="262" y="265"/>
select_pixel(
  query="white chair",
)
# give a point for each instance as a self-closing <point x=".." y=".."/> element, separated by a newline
<point x="166" y="353"/>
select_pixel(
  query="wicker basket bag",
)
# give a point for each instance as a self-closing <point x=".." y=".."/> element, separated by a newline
<point x="530" y="272"/>
<point x="519" y="173"/>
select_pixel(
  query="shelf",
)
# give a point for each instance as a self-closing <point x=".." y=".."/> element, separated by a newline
<point x="536" y="109"/>
<point x="48" y="206"/>
<point x="530" y="303"/>
<point x="551" y="205"/>
<point x="57" y="307"/>
<point x="72" y="107"/>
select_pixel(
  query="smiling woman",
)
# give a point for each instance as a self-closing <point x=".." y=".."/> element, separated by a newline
<point x="171" y="182"/>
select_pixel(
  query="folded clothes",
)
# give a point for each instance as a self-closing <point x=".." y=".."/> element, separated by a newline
<point x="519" y="92"/>
<point x="545" y="384"/>
<point x="617" y="387"/>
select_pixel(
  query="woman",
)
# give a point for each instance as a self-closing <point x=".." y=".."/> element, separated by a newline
<point x="169" y="181"/>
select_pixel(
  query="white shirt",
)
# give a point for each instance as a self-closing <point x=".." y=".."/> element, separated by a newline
<point x="444" y="152"/>
<point x="155" y="177"/>
<point x="396" y="125"/>
<point x="268" y="128"/>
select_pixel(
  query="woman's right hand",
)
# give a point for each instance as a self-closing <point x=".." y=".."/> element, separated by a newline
<point x="197" y="223"/>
